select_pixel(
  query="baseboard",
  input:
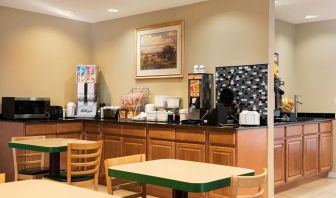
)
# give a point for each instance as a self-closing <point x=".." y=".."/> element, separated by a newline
<point x="332" y="174"/>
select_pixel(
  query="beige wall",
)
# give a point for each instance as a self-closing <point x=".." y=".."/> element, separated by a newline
<point x="285" y="46"/>
<point x="218" y="32"/>
<point x="38" y="54"/>
<point x="307" y="63"/>
<point x="315" y="65"/>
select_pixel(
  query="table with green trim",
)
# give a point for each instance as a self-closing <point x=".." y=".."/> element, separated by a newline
<point x="53" y="146"/>
<point x="180" y="175"/>
<point x="40" y="188"/>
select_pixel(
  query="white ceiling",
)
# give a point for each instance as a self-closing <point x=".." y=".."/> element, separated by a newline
<point x="94" y="10"/>
<point x="294" y="11"/>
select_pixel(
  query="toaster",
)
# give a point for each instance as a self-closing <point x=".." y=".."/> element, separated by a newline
<point x="251" y="118"/>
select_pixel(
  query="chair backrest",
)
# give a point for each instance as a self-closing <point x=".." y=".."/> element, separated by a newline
<point x="258" y="181"/>
<point x="26" y="159"/>
<point x="2" y="178"/>
<point x="120" y="161"/>
<point x="83" y="159"/>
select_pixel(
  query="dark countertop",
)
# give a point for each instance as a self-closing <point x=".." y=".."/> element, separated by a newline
<point x="314" y="120"/>
<point x="163" y="124"/>
<point x="124" y="121"/>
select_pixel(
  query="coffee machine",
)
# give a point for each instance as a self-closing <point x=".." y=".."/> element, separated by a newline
<point x="87" y="91"/>
<point x="200" y="96"/>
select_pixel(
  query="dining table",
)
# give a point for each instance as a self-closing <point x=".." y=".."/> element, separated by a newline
<point x="46" y="188"/>
<point x="53" y="146"/>
<point x="179" y="175"/>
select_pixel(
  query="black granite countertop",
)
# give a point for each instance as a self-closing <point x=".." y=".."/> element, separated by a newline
<point x="125" y="121"/>
<point x="313" y="120"/>
<point x="162" y="124"/>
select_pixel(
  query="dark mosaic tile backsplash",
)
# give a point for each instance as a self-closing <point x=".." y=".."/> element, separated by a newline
<point x="249" y="84"/>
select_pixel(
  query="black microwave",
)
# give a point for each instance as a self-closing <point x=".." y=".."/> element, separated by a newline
<point x="25" y="108"/>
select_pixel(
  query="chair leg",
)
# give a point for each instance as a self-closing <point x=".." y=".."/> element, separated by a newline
<point x="143" y="191"/>
<point x="96" y="183"/>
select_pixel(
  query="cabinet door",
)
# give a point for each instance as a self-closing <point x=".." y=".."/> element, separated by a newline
<point x="310" y="155"/>
<point x="222" y="156"/>
<point x="133" y="146"/>
<point x="294" y="155"/>
<point x="191" y="152"/>
<point x="111" y="149"/>
<point x="160" y="149"/>
<point x="279" y="162"/>
<point x="92" y="136"/>
<point x="325" y="152"/>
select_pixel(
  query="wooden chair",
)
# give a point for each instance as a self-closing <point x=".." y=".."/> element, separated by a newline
<point x="83" y="161"/>
<point x="248" y="182"/>
<point x="111" y="188"/>
<point x="2" y="178"/>
<point x="28" y="164"/>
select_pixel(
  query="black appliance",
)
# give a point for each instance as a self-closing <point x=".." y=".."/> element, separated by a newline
<point x="227" y="111"/>
<point x="25" y="108"/>
<point x="200" y="96"/>
<point x="56" y="112"/>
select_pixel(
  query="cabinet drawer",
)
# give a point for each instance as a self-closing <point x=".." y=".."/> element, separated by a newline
<point x="190" y="152"/>
<point x="69" y="127"/>
<point x="190" y="135"/>
<point x="110" y="128"/>
<point x="41" y="129"/>
<point x="294" y="130"/>
<point x="222" y="138"/>
<point x="134" y="130"/>
<point x="325" y="127"/>
<point x="92" y="127"/>
<point x="279" y="132"/>
<point x="161" y="133"/>
<point x="310" y="129"/>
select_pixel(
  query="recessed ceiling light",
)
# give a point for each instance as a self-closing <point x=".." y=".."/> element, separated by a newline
<point x="112" y="10"/>
<point x="311" y="16"/>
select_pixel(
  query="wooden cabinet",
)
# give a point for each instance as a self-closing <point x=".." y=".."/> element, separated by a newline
<point x="279" y="162"/>
<point x="222" y="156"/>
<point x="133" y="146"/>
<point x="112" y="147"/>
<point x="310" y="155"/>
<point x="161" y="145"/>
<point x="306" y="151"/>
<point x="160" y="149"/>
<point x="190" y="152"/>
<point x="294" y="165"/>
<point x="40" y="129"/>
<point x="325" y="152"/>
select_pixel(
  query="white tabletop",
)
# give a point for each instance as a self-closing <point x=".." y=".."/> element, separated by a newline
<point x="50" y="142"/>
<point x="194" y="176"/>
<point x="51" y="145"/>
<point x="46" y="189"/>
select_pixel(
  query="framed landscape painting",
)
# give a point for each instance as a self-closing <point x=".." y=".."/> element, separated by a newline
<point x="159" y="50"/>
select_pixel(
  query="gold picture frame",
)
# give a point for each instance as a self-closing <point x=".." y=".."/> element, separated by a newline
<point x="160" y="50"/>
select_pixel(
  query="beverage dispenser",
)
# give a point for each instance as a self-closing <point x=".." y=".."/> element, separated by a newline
<point x="87" y="90"/>
<point x="200" y="95"/>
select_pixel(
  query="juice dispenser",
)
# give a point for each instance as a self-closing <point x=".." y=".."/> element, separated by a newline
<point x="200" y="96"/>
